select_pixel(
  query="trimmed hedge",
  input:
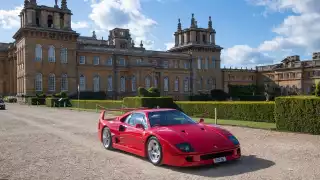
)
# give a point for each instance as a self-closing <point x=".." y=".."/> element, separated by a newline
<point x="54" y="102"/>
<point x="233" y="110"/>
<point x="150" y="102"/>
<point x="91" y="104"/>
<point x="36" y="101"/>
<point x="298" y="114"/>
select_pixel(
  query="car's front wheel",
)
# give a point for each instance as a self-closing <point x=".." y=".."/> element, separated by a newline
<point x="106" y="138"/>
<point x="154" y="151"/>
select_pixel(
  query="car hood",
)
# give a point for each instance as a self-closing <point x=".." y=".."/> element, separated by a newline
<point x="203" y="138"/>
<point x="1" y="104"/>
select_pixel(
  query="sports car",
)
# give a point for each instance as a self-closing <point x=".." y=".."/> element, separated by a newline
<point x="167" y="136"/>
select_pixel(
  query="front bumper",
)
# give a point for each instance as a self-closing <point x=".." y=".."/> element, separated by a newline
<point x="2" y="106"/>
<point x="201" y="159"/>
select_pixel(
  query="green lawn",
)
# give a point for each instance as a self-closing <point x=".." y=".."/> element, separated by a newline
<point x="250" y="124"/>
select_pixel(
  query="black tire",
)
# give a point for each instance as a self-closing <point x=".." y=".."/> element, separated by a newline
<point x="107" y="145"/>
<point x="159" y="161"/>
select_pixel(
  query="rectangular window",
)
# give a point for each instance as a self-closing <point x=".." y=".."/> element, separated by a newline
<point x="213" y="63"/>
<point x="165" y="64"/>
<point x="199" y="62"/>
<point x="109" y="62"/>
<point x="82" y="60"/>
<point x="96" y="60"/>
<point x="206" y="65"/>
<point x="122" y="62"/>
<point x="64" y="55"/>
<point x="82" y="83"/>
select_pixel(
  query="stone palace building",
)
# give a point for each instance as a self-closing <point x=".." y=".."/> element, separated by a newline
<point x="48" y="56"/>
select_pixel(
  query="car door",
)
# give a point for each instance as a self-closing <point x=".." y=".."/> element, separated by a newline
<point x="123" y="130"/>
<point x="136" y="134"/>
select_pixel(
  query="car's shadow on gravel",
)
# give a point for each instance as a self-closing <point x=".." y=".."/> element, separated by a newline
<point x="244" y="165"/>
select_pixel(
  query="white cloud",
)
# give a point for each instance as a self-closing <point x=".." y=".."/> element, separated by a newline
<point x="298" y="32"/>
<point x="243" y="55"/>
<point x="79" y="25"/>
<point x="169" y="45"/>
<point x="109" y="14"/>
<point x="9" y="18"/>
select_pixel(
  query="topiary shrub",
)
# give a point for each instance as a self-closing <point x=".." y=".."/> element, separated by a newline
<point x="151" y="92"/>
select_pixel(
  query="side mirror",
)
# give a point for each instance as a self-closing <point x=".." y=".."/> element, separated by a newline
<point x="139" y="126"/>
<point x="201" y="120"/>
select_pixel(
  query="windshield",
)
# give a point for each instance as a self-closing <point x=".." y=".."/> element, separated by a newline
<point x="1" y="101"/>
<point x="167" y="118"/>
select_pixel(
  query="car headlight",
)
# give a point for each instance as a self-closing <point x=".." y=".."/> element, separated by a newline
<point x="234" y="140"/>
<point x="185" y="147"/>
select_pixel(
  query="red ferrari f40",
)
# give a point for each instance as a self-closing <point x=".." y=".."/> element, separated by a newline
<point x="168" y="136"/>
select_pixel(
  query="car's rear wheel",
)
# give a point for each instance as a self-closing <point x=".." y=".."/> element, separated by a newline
<point x="106" y="138"/>
<point x="154" y="151"/>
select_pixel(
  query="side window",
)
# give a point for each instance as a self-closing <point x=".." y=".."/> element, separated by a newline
<point x="141" y="119"/>
<point x="127" y="119"/>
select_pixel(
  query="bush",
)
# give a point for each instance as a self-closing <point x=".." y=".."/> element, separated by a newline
<point x="233" y="110"/>
<point x="151" y="92"/>
<point x="54" y="102"/>
<point x="36" y="101"/>
<point x="91" y="104"/>
<point x="89" y="95"/>
<point x="200" y="97"/>
<point x="219" y="95"/>
<point x="150" y="102"/>
<point x="298" y="114"/>
<point x="10" y="99"/>
<point x="253" y="98"/>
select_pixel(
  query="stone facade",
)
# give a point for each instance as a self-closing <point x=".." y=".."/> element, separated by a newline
<point x="48" y="56"/>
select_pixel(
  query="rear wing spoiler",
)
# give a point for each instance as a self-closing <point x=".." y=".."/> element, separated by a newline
<point x="103" y="110"/>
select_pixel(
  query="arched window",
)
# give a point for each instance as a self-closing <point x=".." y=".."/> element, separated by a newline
<point x="147" y="82"/>
<point x="133" y="84"/>
<point x="38" y="52"/>
<point x="166" y="84"/>
<point x="51" y="82"/>
<point x="38" y="82"/>
<point x="156" y="82"/>
<point x="110" y="83"/>
<point x="186" y="84"/>
<point x="82" y="83"/>
<point x="176" y="84"/>
<point x="51" y="54"/>
<point x="64" y="82"/>
<point x="122" y="84"/>
<point x="96" y="83"/>
<point x="64" y="55"/>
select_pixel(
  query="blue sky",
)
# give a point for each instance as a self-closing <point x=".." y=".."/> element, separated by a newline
<point x="253" y="32"/>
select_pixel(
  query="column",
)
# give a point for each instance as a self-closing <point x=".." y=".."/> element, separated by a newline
<point x="56" y="20"/>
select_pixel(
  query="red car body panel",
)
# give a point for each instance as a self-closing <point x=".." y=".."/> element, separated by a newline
<point x="208" y="141"/>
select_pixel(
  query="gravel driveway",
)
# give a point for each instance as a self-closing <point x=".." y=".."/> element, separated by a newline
<point x="43" y="143"/>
